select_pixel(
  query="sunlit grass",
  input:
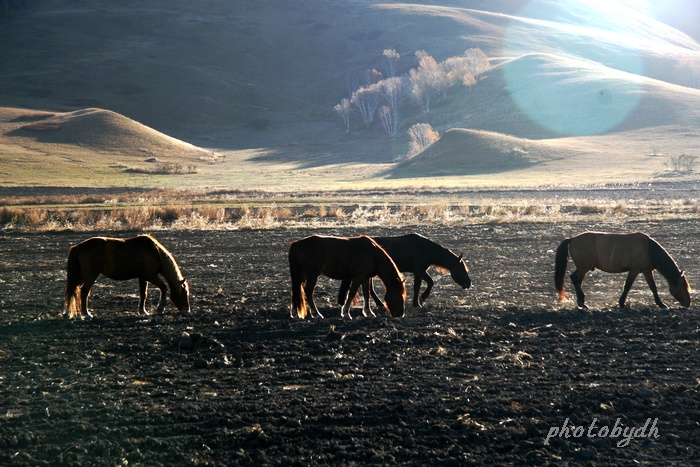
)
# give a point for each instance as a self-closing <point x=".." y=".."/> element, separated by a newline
<point x="222" y="210"/>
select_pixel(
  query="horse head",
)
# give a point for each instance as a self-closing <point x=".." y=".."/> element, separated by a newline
<point x="395" y="298"/>
<point x="681" y="290"/>
<point x="460" y="273"/>
<point x="180" y="296"/>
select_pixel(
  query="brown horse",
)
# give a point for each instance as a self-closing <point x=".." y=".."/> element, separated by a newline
<point x="141" y="257"/>
<point x="356" y="259"/>
<point x="633" y="253"/>
<point x="416" y="253"/>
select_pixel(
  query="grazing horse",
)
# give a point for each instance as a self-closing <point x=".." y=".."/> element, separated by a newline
<point x="356" y="259"/>
<point x="632" y="253"/>
<point x="415" y="253"/>
<point x="141" y="257"/>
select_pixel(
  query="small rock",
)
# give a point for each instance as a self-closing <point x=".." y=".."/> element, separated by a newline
<point x="184" y="342"/>
<point x="644" y="393"/>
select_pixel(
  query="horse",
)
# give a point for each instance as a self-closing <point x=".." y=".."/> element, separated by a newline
<point x="633" y="253"/>
<point x="416" y="253"/>
<point x="355" y="259"/>
<point x="141" y="257"/>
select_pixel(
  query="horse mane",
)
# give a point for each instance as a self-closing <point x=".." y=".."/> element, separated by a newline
<point x="170" y="270"/>
<point x="663" y="262"/>
<point x="443" y="253"/>
<point x="385" y="256"/>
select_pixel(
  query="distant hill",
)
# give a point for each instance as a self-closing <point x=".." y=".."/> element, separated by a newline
<point x="247" y="75"/>
<point x="97" y="129"/>
<point x="545" y="96"/>
<point x="100" y="130"/>
<point x="461" y="151"/>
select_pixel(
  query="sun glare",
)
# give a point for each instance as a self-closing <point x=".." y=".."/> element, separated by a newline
<point x="585" y="76"/>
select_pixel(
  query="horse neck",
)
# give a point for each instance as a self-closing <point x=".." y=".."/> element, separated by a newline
<point x="387" y="270"/>
<point x="442" y="257"/>
<point x="663" y="262"/>
<point x="169" y="268"/>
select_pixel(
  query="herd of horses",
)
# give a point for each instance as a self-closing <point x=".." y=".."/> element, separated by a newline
<point x="356" y="261"/>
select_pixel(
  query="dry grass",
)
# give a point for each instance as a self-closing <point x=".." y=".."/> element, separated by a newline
<point x="173" y="210"/>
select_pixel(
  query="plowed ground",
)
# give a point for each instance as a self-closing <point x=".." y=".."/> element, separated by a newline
<point x="478" y="376"/>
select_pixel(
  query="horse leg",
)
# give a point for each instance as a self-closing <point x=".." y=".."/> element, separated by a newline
<point x="143" y="293"/>
<point x="416" y="288"/>
<point x="343" y="292"/>
<point x="155" y="280"/>
<point x="366" y="288"/>
<point x="379" y="302"/>
<point x="577" y="279"/>
<point x="309" y="292"/>
<point x="631" y="276"/>
<point x="649" y="276"/>
<point x="345" y="310"/>
<point x="84" y="293"/>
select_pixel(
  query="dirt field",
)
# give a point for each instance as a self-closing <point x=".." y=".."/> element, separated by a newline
<point x="480" y="376"/>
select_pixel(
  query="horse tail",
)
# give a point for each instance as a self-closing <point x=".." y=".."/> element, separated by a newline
<point x="298" y="297"/>
<point x="562" y="258"/>
<point x="72" y="302"/>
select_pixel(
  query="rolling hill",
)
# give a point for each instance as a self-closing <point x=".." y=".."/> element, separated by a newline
<point x="256" y="83"/>
<point x="99" y="130"/>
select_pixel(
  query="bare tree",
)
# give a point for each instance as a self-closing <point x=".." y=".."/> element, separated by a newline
<point x="389" y="119"/>
<point x="392" y="58"/>
<point x="468" y="80"/>
<point x="373" y="77"/>
<point x="422" y="135"/>
<point x="426" y="80"/>
<point x="462" y="70"/>
<point x="477" y="60"/>
<point x="682" y="163"/>
<point x="352" y="82"/>
<point x="343" y="109"/>
<point x="366" y="100"/>
<point x="391" y="90"/>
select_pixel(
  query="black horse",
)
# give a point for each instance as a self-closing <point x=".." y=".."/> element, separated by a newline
<point x="415" y="253"/>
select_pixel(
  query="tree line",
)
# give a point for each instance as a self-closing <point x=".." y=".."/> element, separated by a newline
<point x="381" y="95"/>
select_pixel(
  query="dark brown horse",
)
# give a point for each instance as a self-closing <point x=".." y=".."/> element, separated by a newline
<point x="356" y="259"/>
<point x="633" y="253"/>
<point x="141" y="257"/>
<point x="415" y="253"/>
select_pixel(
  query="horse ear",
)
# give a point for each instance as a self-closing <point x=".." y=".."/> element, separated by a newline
<point x="461" y="255"/>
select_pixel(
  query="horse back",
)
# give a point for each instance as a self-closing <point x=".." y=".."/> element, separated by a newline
<point x="117" y="258"/>
<point x="336" y="257"/>
<point x="410" y="252"/>
<point x="611" y="252"/>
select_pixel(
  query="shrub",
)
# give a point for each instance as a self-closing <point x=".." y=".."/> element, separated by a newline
<point x="422" y="135"/>
<point x="682" y="163"/>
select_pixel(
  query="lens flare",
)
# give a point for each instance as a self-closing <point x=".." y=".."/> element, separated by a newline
<point x="587" y="76"/>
